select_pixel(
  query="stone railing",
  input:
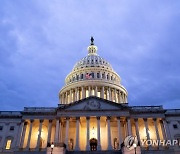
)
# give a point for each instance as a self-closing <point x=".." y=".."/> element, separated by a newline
<point x="147" y="108"/>
<point x="13" y="113"/>
<point x="173" y="111"/>
<point x="39" y="109"/>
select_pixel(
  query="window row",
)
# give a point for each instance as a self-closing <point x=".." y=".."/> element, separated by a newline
<point x="92" y="76"/>
<point x="11" y="128"/>
<point x="92" y="61"/>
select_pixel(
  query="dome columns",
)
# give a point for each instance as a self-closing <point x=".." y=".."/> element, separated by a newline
<point x="104" y="92"/>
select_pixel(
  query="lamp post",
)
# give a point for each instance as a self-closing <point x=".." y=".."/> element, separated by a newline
<point x="135" y="146"/>
<point x="52" y="147"/>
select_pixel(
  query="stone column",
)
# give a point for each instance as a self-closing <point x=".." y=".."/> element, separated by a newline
<point x="129" y="126"/>
<point x="96" y="91"/>
<point x="147" y="129"/>
<point x="119" y="131"/>
<point x="89" y="90"/>
<point x="49" y="131"/>
<point x="19" y="134"/>
<point x="70" y="96"/>
<point x="39" y="136"/>
<point x="102" y="92"/>
<point x="119" y="97"/>
<point x="115" y="98"/>
<point x="137" y="129"/>
<point x="29" y="136"/>
<point x="83" y="93"/>
<point x="110" y="96"/>
<point x="166" y="129"/>
<point x="57" y="131"/>
<point x="67" y="132"/>
<point x="60" y="133"/>
<point x="98" y="134"/>
<point x="23" y="134"/>
<point x="76" y="95"/>
<point x="122" y="97"/>
<point x="63" y="98"/>
<point x="126" y="99"/>
<point x="77" y="134"/>
<point x="66" y="98"/>
<point x="87" y="134"/>
<point x="156" y="128"/>
<point x="109" y="133"/>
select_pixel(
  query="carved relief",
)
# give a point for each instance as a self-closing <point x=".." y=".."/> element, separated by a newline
<point x="92" y="105"/>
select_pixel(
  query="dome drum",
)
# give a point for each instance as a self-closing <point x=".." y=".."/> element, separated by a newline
<point x="95" y="74"/>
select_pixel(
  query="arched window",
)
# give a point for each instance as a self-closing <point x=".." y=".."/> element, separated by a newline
<point x="81" y="76"/>
<point x="98" y="75"/>
<point x="92" y="74"/>
<point x="108" y="77"/>
<point x="9" y="141"/>
<point x="77" y="77"/>
<point x="103" y="75"/>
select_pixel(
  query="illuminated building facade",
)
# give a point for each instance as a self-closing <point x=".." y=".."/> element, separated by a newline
<point x="93" y="115"/>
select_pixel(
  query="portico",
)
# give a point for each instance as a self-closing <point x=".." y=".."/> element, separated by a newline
<point x="77" y="124"/>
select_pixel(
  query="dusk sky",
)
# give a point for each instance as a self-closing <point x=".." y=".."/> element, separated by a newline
<point x="41" y="40"/>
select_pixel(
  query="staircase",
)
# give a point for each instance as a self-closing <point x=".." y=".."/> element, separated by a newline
<point x="94" y="152"/>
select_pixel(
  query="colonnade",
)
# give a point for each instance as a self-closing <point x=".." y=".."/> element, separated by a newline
<point x="108" y="93"/>
<point x="127" y="123"/>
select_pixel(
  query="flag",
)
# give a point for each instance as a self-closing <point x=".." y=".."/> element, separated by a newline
<point x="88" y="76"/>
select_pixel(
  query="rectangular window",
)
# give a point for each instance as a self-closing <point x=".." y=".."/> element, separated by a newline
<point x="1" y="128"/>
<point x="11" y="128"/>
<point x="8" y="144"/>
<point x="175" y="126"/>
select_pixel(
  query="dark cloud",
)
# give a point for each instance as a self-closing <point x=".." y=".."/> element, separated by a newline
<point x="41" y="41"/>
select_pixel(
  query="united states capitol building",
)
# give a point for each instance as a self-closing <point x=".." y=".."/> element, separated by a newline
<point x="93" y="116"/>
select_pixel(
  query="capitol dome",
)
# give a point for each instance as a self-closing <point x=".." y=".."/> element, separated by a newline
<point x="92" y="76"/>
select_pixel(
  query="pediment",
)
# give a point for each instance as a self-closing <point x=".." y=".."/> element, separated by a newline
<point x="93" y="103"/>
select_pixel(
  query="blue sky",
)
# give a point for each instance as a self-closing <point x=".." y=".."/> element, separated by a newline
<point x="41" y="40"/>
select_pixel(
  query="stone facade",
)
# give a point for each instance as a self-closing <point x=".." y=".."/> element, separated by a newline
<point x="93" y="115"/>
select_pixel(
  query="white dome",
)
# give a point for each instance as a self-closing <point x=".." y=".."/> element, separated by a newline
<point x="93" y="76"/>
<point x="92" y="61"/>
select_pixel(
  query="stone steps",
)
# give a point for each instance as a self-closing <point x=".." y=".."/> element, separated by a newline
<point x="94" y="152"/>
